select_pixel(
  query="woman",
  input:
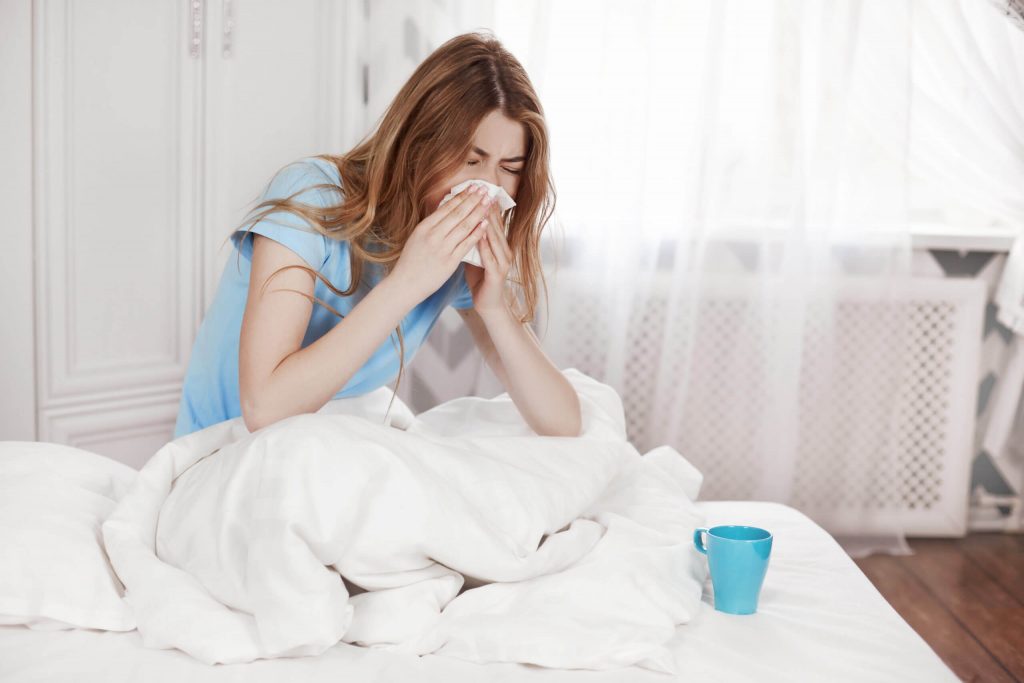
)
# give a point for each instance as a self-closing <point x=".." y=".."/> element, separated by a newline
<point x="469" y="111"/>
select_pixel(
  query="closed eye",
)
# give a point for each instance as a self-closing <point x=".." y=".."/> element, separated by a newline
<point x="507" y="170"/>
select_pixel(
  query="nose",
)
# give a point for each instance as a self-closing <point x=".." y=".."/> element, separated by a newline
<point x="491" y="176"/>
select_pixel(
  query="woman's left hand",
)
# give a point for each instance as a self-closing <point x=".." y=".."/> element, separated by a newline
<point x="488" y="283"/>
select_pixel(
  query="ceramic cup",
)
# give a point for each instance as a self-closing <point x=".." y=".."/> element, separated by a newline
<point x="738" y="560"/>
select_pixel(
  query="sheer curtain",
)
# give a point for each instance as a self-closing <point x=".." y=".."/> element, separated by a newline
<point x="969" y="115"/>
<point x="734" y="188"/>
<point x="746" y="164"/>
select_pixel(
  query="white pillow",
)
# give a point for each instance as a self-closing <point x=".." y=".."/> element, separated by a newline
<point x="54" y="571"/>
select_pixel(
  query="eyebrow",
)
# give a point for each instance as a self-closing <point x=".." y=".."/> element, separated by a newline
<point x="485" y="155"/>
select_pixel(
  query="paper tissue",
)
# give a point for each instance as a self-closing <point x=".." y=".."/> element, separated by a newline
<point x="505" y="202"/>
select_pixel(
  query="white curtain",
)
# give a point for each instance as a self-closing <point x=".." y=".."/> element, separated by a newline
<point x="790" y="137"/>
<point x="746" y="164"/>
<point x="735" y="181"/>
<point x="969" y="118"/>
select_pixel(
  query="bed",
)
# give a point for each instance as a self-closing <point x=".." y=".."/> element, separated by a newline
<point x="819" y="619"/>
<point x="621" y="582"/>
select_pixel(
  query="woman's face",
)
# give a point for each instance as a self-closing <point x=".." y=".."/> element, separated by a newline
<point x="497" y="155"/>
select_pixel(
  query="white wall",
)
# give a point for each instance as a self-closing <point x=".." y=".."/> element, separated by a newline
<point x="17" y="330"/>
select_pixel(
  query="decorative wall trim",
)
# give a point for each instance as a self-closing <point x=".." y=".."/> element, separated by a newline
<point x="67" y="370"/>
<point x="127" y="431"/>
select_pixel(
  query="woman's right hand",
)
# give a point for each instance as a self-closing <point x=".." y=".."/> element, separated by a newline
<point x="438" y="243"/>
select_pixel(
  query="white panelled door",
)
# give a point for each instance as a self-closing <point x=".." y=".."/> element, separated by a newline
<point x="154" y="127"/>
<point x="288" y="81"/>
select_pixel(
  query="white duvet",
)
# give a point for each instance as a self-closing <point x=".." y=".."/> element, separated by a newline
<point x="458" y="532"/>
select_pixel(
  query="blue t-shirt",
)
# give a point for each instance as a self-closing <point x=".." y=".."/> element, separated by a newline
<point x="210" y="391"/>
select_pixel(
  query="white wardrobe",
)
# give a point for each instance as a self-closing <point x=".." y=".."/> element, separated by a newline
<point x="135" y="134"/>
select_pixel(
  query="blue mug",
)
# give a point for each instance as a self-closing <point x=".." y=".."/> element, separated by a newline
<point x="738" y="559"/>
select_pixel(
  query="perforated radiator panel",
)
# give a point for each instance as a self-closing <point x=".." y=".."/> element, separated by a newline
<point x="862" y="462"/>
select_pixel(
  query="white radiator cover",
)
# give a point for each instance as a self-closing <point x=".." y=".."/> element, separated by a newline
<point x="932" y="431"/>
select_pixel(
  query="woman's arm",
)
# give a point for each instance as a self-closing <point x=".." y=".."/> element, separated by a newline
<point x="544" y="397"/>
<point x="276" y="377"/>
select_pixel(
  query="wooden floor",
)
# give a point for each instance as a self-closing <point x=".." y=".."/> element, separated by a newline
<point x="965" y="597"/>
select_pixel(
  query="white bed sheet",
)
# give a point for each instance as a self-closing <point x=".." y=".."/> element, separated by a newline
<point x="819" y="619"/>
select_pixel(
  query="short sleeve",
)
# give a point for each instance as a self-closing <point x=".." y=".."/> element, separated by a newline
<point x="463" y="296"/>
<point x="286" y="227"/>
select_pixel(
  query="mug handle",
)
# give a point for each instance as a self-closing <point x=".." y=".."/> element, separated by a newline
<point x="698" y="542"/>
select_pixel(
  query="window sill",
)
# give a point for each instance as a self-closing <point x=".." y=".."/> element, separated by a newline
<point x="922" y="236"/>
<point x="939" y="236"/>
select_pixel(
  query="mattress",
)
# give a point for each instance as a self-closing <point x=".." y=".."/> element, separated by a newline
<point x="819" y="619"/>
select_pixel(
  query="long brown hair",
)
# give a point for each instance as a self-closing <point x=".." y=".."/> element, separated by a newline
<point x="420" y="140"/>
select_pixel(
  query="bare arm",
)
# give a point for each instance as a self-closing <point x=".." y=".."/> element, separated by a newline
<point x="484" y="344"/>
<point x="545" y="399"/>
<point x="276" y="377"/>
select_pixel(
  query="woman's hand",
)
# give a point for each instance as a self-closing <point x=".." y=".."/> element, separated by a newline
<point x="438" y="242"/>
<point x="488" y="283"/>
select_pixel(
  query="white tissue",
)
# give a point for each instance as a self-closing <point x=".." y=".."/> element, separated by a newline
<point x="505" y="202"/>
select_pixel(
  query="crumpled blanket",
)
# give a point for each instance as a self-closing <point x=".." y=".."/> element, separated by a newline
<point x="459" y="532"/>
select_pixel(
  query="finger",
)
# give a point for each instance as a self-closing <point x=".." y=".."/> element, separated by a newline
<point x="462" y="225"/>
<point x="499" y="230"/>
<point x="496" y="219"/>
<point x="469" y="240"/>
<point x="486" y="253"/>
<point x="488" y="238"/>
<point x="499" y="257"/>
<point x="471" y="197"/>
<point x="502" y="252"/>
<point x="463" y="201"/>
<point x="498" y="252"/>
<point x="493" y="260"/>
